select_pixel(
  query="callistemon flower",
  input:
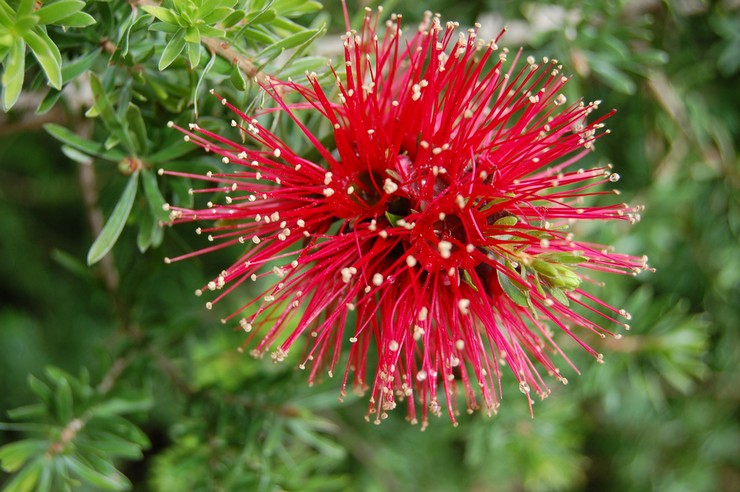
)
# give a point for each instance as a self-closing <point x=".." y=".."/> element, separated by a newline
<point x="427" y="251"/>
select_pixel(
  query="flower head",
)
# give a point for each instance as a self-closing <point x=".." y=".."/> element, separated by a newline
<point x="431" y="236"/>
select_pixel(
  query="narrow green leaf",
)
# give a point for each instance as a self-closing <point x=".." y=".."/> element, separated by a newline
<point x="512" y="290"/>
<point x="171" y="151"/>
<point x="302" y="65"/>
<point x="192" y="35"/>
<point x="108" y="481"/>
<point x="41" y="389"/>
<point x="146" y="226"/>
<point x="49" y="100"/>
<point x="25" y="7"/>
<point x="291" y="41"/>
<point x="294" y="8"/>
<point x="12" y="79"/>
<point x="109" y="116"/>
<point x="119" y="406"/>
<point x="14" y="455"/>
<point x="138" y="128"/>
<point x="172" y="50"/>
<point x="164" y="27"/>
<point x="27" y="412"/>
<point x="201" y="78"/>
<point x="63" y="401"/>
<point x="216" y="15"/>
<point x="194" y="54"/>
<point x="96" y="149"/>
<point x="70" y="263"/>
<point x="27" y="479"/>
<point x="153" y="196"/>
<point x="113" y="228"/>
<point x="559" y="295"/>
<point x="161" y="13"/>
<point x="233" y="18"/>
<point x="47" y="54"/>
<point x="80" y="19"/>
<point x="44" y="484"/>
<point x="53" y="12"/>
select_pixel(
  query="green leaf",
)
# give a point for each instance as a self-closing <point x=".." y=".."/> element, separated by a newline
<point x="48" y="102"/>
<point x="80" y="19"/>
<point x="41" y="389"/>
<point x="138" y="127"/>
<point x="559" y="295"/>
<point x="111" y="120"/>
<point x="201" y="78"/>
<point x="172" y="50"/>
<point x="63" y="401"/>
<point x="295" y="8"/>
<point x="216" y="15"/>
<point x="27" y="412"/>
<point x="233" y="18"/>
<point x="14" y="455"/>
<point x="118" y="406"/>
<point x="194" y="54"/>
<point x="15" y="66"/>
<point x="53" y="12"/>
<point x="291" y="41"/>
<point x="192" y="35"/>
<point x="96" y="149"/>
<point x="113" y="480"/>
<point x="27" y="479"/>
<point x="113" y="228"/>
<point x="77" y="67"/>
<point x="512" y="290"/>
<point x="171" y="151"/>
<point x="612" y="76"/>
<point x="153" y="196"/>
<point x="161" y="13"/>
<point x="302" y="65"/>
<point x="47" y="54"/>
<point x="509" y="221"/>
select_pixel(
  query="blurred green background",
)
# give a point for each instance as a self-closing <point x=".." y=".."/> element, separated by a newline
<point x="128" y="338"/>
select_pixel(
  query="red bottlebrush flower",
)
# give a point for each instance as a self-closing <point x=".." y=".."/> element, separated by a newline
<point x="432" y="235"/>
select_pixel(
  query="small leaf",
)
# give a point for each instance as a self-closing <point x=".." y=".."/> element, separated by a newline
<point x="291" y="41"/>
<point x="172" y="50"/>
<point x="41" y="389"/>
<point x="512" y="290"/>
<point x="233" y="18"/>
<point x="216" y="15"/>
<point x="53" y="12"/>
<point x="27" y="478"/>
<point x="48" y="102"/>
<point x="295" y="8"/>
<point x="77" y="67"/>
<point x="14" y="455"/>
<point x="559" y="295"/>
<point x="509" y="221"/>
<point x="118" y="406"/>
<point x="66" y="136"/>
<point x="161" y="13"/>
<point x="194" y="54"/>
<point x="47" y="54"/>
<point x="154" y="197"/>
<point x="113" y="228"/>
<point x="15" y="66"/>
<point x="63" y="401"/>
<point x="138" y="127"/>
<point x="80" y="19"/>
<point x="113" y="480"/>
<point x="119" y="133"/>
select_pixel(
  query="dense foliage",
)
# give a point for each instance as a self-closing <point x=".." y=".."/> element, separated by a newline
<point x="113" y="375"/>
